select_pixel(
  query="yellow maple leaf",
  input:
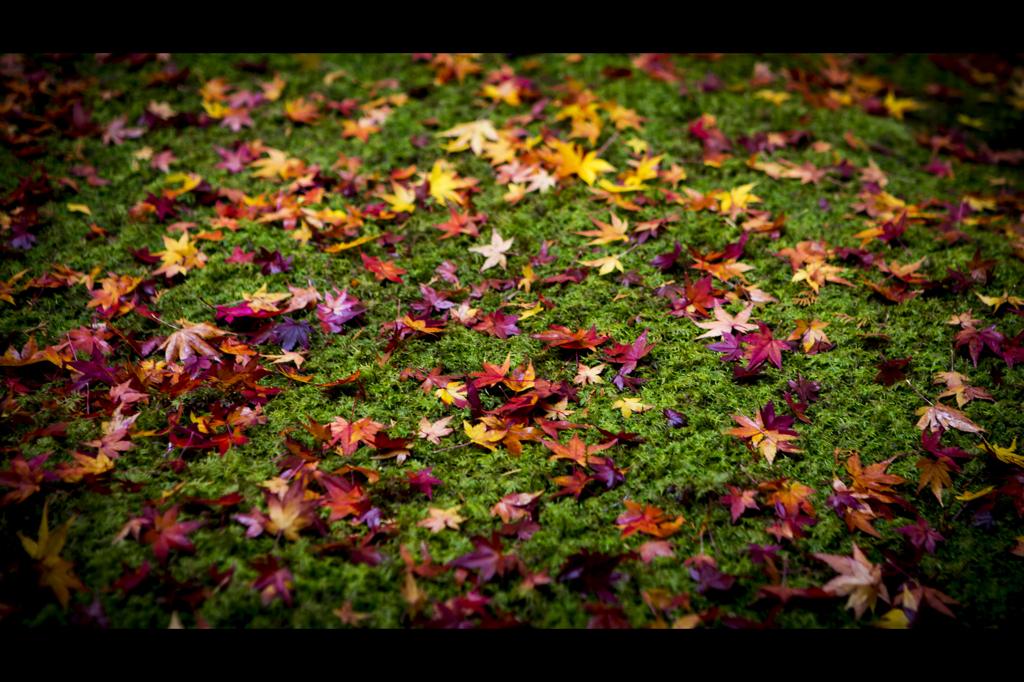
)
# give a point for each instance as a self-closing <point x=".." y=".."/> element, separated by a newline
<point x="444" y="183"/>
<point x="480" y="435"/>
<point x="898" y="107"/>
<point x="506" y="92"/>
<point x="1008" y="455"/>
<point x="969" y="497"/>
<point x="607" y="233"/>
<point x="972" y="122"/>
<point x="179" y="256"/>
<point x="470" y="136"/>
<point x="997" y="301"/>
<point x="776" y="98"/>
<point x="515" y="192"/>
<point x="739" y="197"/>
<point x="403" y="199"/>
<point x="637" y="145"/>
<point x="607" y="264"/>
<point x="55" y="572"/>
<point x="585" y="166"/>
<point x="630" y="405"/>
<point x="262" y="300"/>
<point x="352" y="244"/>
<point x="451" y="393"/>
<point x="80" y="208"/>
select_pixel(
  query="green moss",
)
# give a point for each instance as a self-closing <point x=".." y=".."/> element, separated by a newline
<point x="682" y="471"/>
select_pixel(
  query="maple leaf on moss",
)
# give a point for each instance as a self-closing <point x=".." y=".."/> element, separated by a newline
<point x="470" y="136"/>
<point x="769" y="433"/>
<point x="563" y="337"/>
<point x="726" y="323"/>
<point x="939" y="417"/>
<point x="439" y="519"/>
<point x="935" y="473"/>
<point x="273" y="582"/>
<point x="607" y="263"/>
<point x="891" y="371"/>
<point x="593" y="572"/>
<point x="445" y="184"/>
<point x="979" y="339"/>
<point x="574" y="163"/>
<point x="498" y="324"/>
<point x="858" y="578"/>
<point x="764" y="347"/>
<point x="575" y="450"/>
<point x="55" y="572"/>
<point x="922" y="534"/>
<point x="494" y="252"/>
<point x="434" y="431"/>
<point x="381" y="270"/>
<point x="607" y="233"/>
<point x="189" y="341"/>
<point x="630" y="405"/>
<point x="739" y="501"/>
<point x="812" y="335"/>
<point x="361" y="129"/>
<point x="515" y="505"/>
<point x="646" y="519"/>
<point x="629" y="355"/>
<point x="291" y="333"/>
<point x="168" y="533"/>
<point x="272" y="262"/>
<point x="492" y="374"/>
<point x="179" y="257"/>
<point x="301" y="111"/>
<point x="24" y="476"/>
<point x="573" y="484"/>
<point x="488" y="559"/>
<point x="423" y="481"/>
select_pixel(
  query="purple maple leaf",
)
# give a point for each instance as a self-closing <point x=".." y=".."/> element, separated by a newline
<point x="729" y="345"/>
<point x="922" y="534"/>
<point x="233" y="162"/>
<point x="274" y="582"/>
<point x="665" y="261"/>
<point x="21" y="238"/>
<point x="337" y="310"/>
<point x="290" y="333"/>
<point x="117" y="133"/>
<point x="432" y="300"/>
<point x="235" y="119"/>
<point x="423" y="481"/>
<point x="164" y="206"/>
<point x="676" y="420"/>
<point x="272" y="263"/>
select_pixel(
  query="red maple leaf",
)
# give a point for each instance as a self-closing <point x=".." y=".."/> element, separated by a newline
<point x="168" y="533"/>
<point x="24" y="477"/>
<point x="764" y="347"/>
<point x="492" y="374"/>
<point x="629" y="355"/>
<point x="563" y="337"/>
<point x="891" y="371"/>
<point x="498" y="324"/>
<point x="381" y="270"/>
<point x="488" y="558"/>
<point x="572" y="485"/>
<point x="422" y="481"/>
<point x="646" y="519"/>
<point x="739" y="501"/>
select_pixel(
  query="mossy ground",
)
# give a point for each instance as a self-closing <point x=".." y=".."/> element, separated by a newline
<point x="682" y="471"/>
